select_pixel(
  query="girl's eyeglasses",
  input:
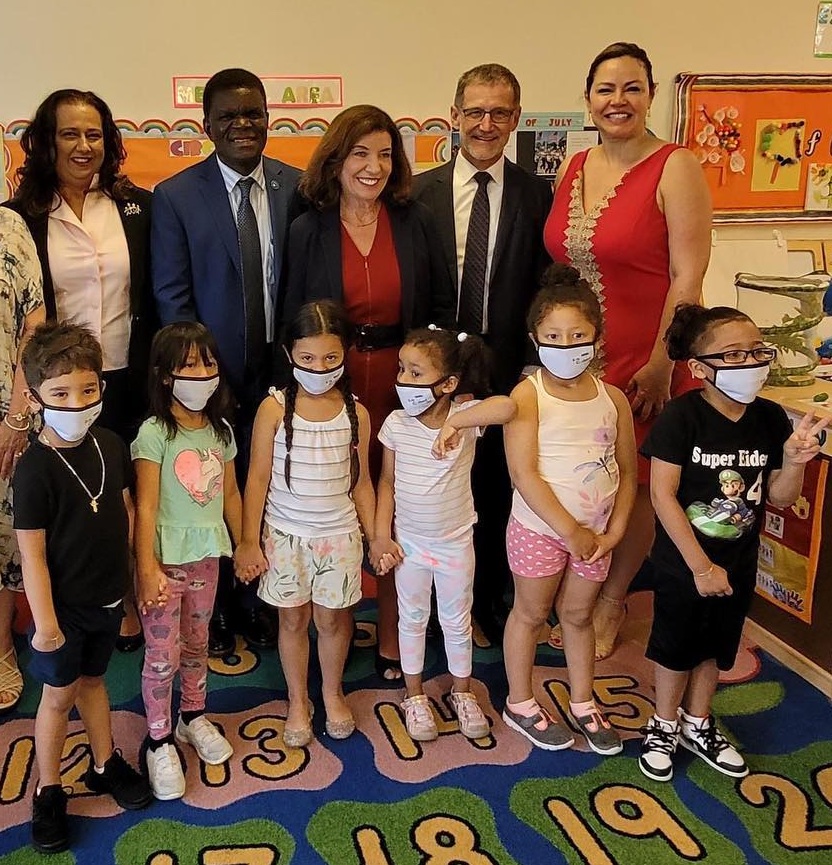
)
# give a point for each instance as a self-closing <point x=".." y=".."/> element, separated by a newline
<point x="736" y="356"/>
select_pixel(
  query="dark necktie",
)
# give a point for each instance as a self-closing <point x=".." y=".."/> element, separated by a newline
<point x="251" y="259"/>
<point x="472" y="286"/>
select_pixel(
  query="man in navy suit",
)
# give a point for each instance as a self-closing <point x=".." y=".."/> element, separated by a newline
<point x="202" y="270"/>
<point x="486" y="111"/>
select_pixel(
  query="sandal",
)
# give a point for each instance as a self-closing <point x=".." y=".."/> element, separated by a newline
<point x="614" y="617"/>
<point x="555" y="639"/>
<point x="389" y="670"/>
<point x="11" y="681"/>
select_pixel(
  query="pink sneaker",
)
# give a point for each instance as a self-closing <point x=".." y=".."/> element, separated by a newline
<point x="419" y="720"/>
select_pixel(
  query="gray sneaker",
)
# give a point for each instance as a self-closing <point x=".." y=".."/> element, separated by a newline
<point x="555" y="737"/>
<point x="600" y="735"/>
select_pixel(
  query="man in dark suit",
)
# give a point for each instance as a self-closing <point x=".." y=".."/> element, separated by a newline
<point x="218" y="250"/>
<point x="490" y="214"/>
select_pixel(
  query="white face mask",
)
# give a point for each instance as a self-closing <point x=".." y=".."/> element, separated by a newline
<point x="71" y="424"/>
<point x="315" y="382"/>
<point x="194" y="393"/>
<point x="417" y="398"/>
<point x="741" y="383"/>
<point x="566" y="361"/>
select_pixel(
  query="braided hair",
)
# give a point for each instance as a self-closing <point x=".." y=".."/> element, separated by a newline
<point x="464" y="355"/>
<point x="316" y="319"/>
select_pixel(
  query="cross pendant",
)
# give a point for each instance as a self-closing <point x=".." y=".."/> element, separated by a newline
<point x="94" y="506"/>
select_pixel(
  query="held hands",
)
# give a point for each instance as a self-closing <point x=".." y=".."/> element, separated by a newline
<point x="385" y="554"/>
<point x="713" y="582"/>
<point x="152" y="589"/>
<point x="805" y="442"/>
<point x="649" y="389"/>
<point x="582" y="544"/>
<point x="249" y="562"/>
<point x="606" y="542"/>
<point x="448" y="439"/>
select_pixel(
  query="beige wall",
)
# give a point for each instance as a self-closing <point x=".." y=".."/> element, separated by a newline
<point x="393" y="53"/>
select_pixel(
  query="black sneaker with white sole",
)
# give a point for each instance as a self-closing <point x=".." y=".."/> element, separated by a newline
<point x="657" y="749"/>
<point x="707" y="741"/>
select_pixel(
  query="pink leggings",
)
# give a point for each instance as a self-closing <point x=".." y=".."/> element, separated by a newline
<point x="176" y="640"/>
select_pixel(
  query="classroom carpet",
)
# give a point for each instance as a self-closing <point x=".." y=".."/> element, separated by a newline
<point x="378" y="798"/>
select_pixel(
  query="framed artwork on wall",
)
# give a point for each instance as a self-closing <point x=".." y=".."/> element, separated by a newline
<point x="764" y="142"/>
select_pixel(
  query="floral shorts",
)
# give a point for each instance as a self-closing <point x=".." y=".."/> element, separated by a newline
<point x="535" y="556"/>
<point x="326" y="571"/>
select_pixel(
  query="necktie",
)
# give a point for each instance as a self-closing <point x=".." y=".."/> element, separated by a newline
<point x="252" y="263"/>
<point x="472" y="286"/>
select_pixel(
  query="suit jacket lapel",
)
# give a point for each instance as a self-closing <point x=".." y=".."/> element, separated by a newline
<point x="508" y="213"/>
<point x="278" y="210"/>
<point x="444" y="215"/>
<point x="135" y="231"/>
<point x="331" y="248"/>
<point x="216" y="200"/>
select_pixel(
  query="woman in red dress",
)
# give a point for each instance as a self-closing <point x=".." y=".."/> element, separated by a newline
<point x="365" y="244"/>
<point x="633" y="214"/>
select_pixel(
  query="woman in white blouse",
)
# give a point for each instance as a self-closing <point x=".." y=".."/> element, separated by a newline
<point x="91" y="228"/>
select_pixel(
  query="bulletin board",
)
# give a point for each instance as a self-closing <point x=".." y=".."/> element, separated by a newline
<point x="763" y="141"/>
<point x="156" y="150"/>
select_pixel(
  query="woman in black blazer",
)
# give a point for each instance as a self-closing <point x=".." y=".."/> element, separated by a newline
<point x="91" y="228"/>
<point x="367" y="245"/>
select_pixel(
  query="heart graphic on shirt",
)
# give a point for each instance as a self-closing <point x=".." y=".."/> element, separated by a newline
<point x="200" y="472"/>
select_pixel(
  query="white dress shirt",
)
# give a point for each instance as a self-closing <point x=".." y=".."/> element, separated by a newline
<point x="90" y="267"/>
<point x="464" y="190"/>
<point x="260" y="202"/>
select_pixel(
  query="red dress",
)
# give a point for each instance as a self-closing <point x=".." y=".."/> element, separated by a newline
<point x="373" y="295"/>
<point x="620" y="247"/>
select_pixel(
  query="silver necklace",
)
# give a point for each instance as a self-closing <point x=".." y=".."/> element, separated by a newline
<point x="93" y="498"/>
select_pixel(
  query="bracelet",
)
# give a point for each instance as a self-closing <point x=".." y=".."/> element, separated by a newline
<point x="706" y="573"/>
<point x="18" y="417"/>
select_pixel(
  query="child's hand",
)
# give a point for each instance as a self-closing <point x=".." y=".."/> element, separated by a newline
<point x="805" y="442"/>
<point x="51" y="642"/>
<point x="152" y="589"/>
<point x="713" y="583"/>
<point x="581" y="543"/>
<point x="448" y="439"/>
<point x="606" y="543"/>
<point x="249" y="562"/>
<point x="385" y="554"/>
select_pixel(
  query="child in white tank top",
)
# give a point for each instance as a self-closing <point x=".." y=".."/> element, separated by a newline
<point x="572" y="458"/>
<point x="309" y="473"/>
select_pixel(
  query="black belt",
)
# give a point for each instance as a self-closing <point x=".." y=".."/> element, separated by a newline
<point x="370" y="337"/>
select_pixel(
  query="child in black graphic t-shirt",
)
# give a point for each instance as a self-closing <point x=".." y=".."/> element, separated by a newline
<point x="71" y="516"/>
<point x="717" y="455"/>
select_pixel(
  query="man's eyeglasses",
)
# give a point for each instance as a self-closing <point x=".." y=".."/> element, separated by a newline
<point x="740" y="355"/>
<point x="497" y="115"/>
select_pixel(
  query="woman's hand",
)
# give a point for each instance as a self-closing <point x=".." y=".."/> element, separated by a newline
<point x="649" y="389"/>
<point x="606" y="543"/>
<point x="249" y="562"/>
<point x="12" y="445"/>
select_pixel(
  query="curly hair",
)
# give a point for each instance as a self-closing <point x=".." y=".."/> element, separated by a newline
<point x="562" y="285"/>
<point x="38" y="179"/>
<point x="321" y="182"/>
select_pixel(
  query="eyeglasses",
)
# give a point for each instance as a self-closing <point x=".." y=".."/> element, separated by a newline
<point x="740" y="355"/>
<point x="497" y="115"/>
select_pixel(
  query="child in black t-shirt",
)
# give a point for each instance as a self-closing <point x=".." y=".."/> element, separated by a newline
<point x="72" y="515"/>
<point x="716" y="456"/>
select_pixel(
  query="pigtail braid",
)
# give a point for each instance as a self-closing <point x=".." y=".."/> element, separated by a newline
<point x="291" y="394"/>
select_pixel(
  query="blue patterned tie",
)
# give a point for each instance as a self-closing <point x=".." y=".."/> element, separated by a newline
<point x="251" y="259"/>
<point x="472" y="286"/>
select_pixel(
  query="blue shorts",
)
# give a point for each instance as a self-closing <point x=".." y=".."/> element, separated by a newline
<point x="90" y="633"/>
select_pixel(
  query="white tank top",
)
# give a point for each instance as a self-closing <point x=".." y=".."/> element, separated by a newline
<point x="318" y="504"/>
<point x="575" y="456"/>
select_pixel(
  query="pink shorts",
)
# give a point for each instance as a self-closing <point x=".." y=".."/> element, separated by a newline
<point x="533" y="555"/>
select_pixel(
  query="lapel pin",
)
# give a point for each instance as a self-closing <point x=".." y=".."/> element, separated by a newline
<point x="274" y="184"/>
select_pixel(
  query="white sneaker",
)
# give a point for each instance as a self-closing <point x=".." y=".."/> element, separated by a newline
<point x="707" y="741"/>
<point x="213" y="748"/>
<point x="472" y="721"/>
<point x="164" y="771"/>
<point x="419" y="720"/>
<point x="660" y="740"/>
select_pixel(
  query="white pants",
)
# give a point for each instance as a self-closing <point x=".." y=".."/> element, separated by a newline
<point x="450" y="566"/>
